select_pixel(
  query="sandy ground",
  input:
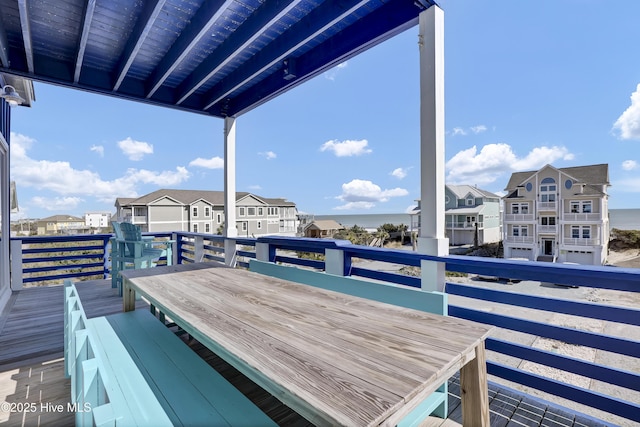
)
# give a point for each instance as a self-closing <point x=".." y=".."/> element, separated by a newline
<point x="626" y="258"/>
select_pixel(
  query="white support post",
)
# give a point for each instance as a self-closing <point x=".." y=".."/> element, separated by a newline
<point x="16" y="265"/>
<point x="230" y="230"/>
<point x="432" y="240"/>
<point x="334" y="261"/>
<point x="262" y="251"/>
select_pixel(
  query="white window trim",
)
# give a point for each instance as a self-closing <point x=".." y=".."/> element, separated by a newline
<point x="194" y="211"/>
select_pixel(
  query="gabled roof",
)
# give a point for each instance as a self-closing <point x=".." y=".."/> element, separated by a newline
<point x="219" y="58"/>
<point x="325" y="224"/>
<point x="62" y="218"/>
<point x="461" y="191"/>
<point x="589" y="175"/>
<point x="188" y="197"/>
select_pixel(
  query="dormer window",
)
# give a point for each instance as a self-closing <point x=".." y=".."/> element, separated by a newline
<point x="470" y="201"/>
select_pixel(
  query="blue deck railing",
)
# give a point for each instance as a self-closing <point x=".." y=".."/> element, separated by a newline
<point x="50" y="259"/>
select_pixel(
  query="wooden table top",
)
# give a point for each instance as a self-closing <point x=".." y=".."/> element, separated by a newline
<point x="334" y="358"/>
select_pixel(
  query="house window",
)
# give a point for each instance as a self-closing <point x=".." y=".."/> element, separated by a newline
<point x="586" y="232"/>
<point x="470" y="201"/>
<point x="471" y="219"/>
<point x="581" y="206"/>
<point x="195" y="211"/>
<point x="575" y="232"/>
<point x="260" y="212"/>
<point x="241" y="210"/>
<point x="586" y="207"/>
<point x="520" y="230"/>
<point x="207" y="228"/>
<point x="522" y="208"/>
<point x="575" y="207"/>
<point x="272" y="211"/>
<point x="548" y="190"/>
<point x="515" y="208"/>
<point x="195" y="228"/>
<point x="207" y="211"/>
<point x="259" y="225"/>
<point x="548" y="220"/>
<point x="251" y="211"/>
<point x="219" y="218"/>
<point x="244" y="226"/>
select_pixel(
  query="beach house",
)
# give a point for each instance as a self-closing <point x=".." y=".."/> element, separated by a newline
<point x="203" y="211"/>
<point x="558" y="214"/>
<point x="472" y="215"/>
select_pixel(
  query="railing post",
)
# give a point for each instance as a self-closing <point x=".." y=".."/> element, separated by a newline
<point x="106" y="257"/>
<point x="265" y="252"/>
<point x="198" y="248"/>
<point x="336" y="262"/>
<point x="16" y="264"/>
<point x="230" y="255"/>
<point x="175" y="253"/>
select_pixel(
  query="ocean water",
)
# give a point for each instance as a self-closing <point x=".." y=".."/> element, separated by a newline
<point x="623" y="219"/>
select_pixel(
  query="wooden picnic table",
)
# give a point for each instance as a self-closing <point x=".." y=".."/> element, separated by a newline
<point x="333" y="358"/>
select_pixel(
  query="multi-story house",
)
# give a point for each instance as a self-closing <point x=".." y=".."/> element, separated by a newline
<point x="97" y="219"/>
<point x="203" y="212"/>
<point x="558" y="214"/>
<point x="472" y="215"/>
<point x="60" y="224"/>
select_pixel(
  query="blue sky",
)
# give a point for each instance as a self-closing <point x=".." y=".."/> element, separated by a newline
<point x="527" y="84"/>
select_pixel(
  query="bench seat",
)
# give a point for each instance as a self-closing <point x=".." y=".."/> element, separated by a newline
<point x="150" y="377"/>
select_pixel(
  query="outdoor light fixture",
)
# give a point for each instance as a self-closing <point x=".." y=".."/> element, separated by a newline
<point x="11" y="96"/>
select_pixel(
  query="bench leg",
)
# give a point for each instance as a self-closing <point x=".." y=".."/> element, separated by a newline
<point x="128" y="296"/>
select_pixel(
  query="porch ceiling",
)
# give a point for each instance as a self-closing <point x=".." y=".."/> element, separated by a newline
<point x="219" y="57"/>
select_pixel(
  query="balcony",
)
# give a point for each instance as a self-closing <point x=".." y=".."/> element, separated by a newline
<point x="520" y="239"/>
<point x="547" y="206"/>
<point x="135" y="219"/>
<point x="548" y="229"/>
<point x="559" y="348"/>
<point x="580" y="242"/>
<point x="581" y="217"/>
<point x="519" y="218"/>
<point x="464" y="225"/>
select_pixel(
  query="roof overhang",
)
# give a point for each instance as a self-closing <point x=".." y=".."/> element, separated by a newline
<point x="220" y="58"/>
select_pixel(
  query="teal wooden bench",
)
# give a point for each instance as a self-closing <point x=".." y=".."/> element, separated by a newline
<point x="431" y="302"/>
<point x="129" y="369"/>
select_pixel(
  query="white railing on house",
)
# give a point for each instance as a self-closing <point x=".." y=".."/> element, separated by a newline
<point x="519" y="218"/>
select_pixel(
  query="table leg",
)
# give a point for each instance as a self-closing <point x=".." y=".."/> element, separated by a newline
<point x="473" y="390"/>
<point x="128" y="296"/>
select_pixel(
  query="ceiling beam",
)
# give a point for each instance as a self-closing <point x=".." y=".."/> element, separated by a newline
<point x="4" y="46"/>
<point x="202" y="21"/>
<point x="87" y="18"/>
<point x="251" y="29"/>
<point x="311" y="26"/>
<point x="387" y="21"/>
<point x="26" y="33"/>
<point x="147" y="18"/>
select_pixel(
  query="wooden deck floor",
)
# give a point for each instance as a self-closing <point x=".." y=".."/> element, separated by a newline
<point x="31" y="368"/>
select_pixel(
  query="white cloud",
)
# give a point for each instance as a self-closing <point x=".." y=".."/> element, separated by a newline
<point x="212" y="163"/>
<point x="478" y="129"/>
<point x="268" y="155"/>
<point x="333" y="73"/>
<point x="61" y="178"/>
<point x="458" y="131"/>
<point x="60" y="204"/>
<point x="629" y="165"/>
<point x="399" y="172"/>
<point x="98" y="149"/>
<point x="255" y="187"/>
<point x="347" y="148"/>
<point x="628" y="124"/>
<point x="470" y="167"/>
<point x="135" y="150"/>
<point x="363" y="194"/>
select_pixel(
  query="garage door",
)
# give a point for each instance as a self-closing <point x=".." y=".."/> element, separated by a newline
<point x="580" y="257"/>
<point x="520" y="253"/>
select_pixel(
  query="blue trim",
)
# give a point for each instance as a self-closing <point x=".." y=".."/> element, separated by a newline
<point x="602" y="373"/>
<point x="576" y="394"/>
<point x="573" y="336"/>
<point x="628" y="316"/>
